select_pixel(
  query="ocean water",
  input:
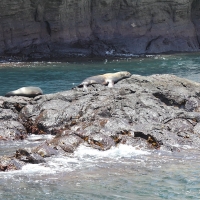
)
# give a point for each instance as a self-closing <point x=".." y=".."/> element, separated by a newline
<point x="123" y="172"/>
<point x="59" y="76"/>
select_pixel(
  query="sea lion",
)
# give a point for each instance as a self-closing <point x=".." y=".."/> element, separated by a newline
<point x="105" y="79"/>
<point x="26" y="92"/>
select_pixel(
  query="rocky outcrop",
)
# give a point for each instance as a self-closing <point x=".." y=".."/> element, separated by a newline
<point x="154" y="112"/>
<point x="10" y="124"/>
<point x="41" y="28"/>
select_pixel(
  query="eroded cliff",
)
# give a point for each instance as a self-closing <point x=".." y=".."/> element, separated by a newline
<point x="57" y="28"/>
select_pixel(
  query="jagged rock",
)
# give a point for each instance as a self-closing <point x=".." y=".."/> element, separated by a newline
<point x="68" y="142"/>
<point x="8" y="164"/>
<point x="138" y="104"/>
<point x="45" y="150"/>
<point x="197" y="129"/>
<point x="100" y="141"/>
<point x="158" y="111"/>
<point x="16" y="103"/>
<point x="27" y="156"/>
<point x="10" y="124"/>
<point x="179" y="125"/>
<point x="35" y="29"/>
<point x="12" y="130"/>
<point x="192" y="104"/>
<point x="152" y="112"/>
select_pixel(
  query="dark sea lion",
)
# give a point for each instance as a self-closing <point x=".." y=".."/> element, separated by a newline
<point x="105" y="79"/>
<point x="25" y="92"/>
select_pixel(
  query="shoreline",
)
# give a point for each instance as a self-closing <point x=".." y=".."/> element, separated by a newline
<point x="86" y="58"/>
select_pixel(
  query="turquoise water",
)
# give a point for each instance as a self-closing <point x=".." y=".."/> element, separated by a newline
<point x="59" y="76"/>
<point x="123" y="172"/>
<point x="115" y="175"/>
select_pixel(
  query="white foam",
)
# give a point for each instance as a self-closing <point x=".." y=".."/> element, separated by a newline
<point x="39" y="137"/>
<point x="29" y="169"/>
<point x="89" y="157"/>
<point x="113" y="53"/>
<point x="110" y="52"/>
<point x="36" y="168"/>
<point x="64" y="163"/>
<point x="122" y="151"/>
<point x="83" y="157"/>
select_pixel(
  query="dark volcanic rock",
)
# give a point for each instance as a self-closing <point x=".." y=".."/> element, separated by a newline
<point x="52" y="28"/>
<point x="153" y="112"/>
<point x="26" y="156"/>
<point x="8" y="164"/>
<point x="10" y="124"/>
<point x="161" y="109"/>
<point x="45" y="150"/>
<point x="66" y="141"/>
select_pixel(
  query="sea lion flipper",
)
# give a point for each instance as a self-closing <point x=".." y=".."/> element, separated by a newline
<point x="8" y="94"/>
<point x="110" y="83"/>
<point x="85" y="88"/>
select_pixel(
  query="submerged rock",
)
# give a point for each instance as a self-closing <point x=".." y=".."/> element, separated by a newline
<point x="10" y="163"/>
<point x="27" y="156"/>
<point x="45" y="150"/>
<point x="152" y="112"/>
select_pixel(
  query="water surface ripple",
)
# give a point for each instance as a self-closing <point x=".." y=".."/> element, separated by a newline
<point x="123" y="172"/>
<point x="59" y="76"/>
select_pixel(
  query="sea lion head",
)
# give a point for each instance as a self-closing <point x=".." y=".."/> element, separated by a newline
<point x="124" y="74"/>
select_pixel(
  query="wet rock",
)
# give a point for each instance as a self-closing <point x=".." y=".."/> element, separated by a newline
<point x="45" y="150"/>
<point x="28" y="157"/>
<point x="154" y="112"/>
<point x="67" y="142"/>
<point x="117" y="126"/>
<point x="10" y="163"/>
<point x="100" y="141"/>
<point x="144" y="112"/>
<point x="138" y="104"/>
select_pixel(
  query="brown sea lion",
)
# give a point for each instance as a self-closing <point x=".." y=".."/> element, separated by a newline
<point x="26" y="92"/>
<point x="105" y="79"/>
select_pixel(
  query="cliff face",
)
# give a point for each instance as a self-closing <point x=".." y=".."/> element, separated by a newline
<point x="56" y="28"/>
